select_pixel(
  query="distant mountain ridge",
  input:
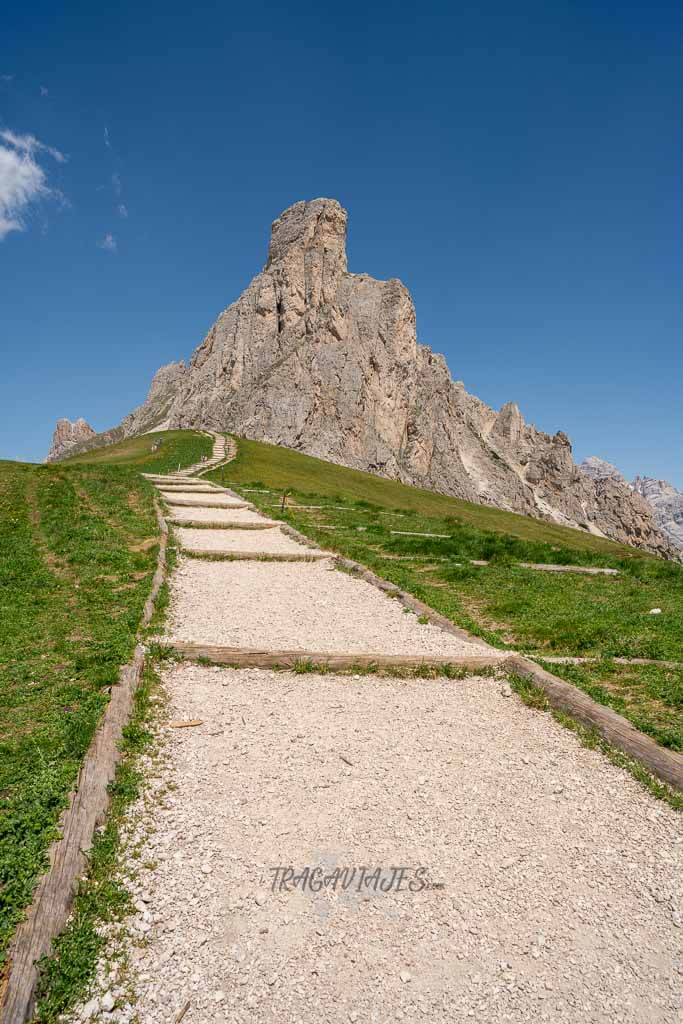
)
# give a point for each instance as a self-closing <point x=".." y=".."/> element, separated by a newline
<point x="665" y="501"/>
<point x="318" y="359"/>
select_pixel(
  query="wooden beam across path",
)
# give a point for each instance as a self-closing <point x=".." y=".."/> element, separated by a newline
<point x="257" y="658"/>
<point x="172" y="479"/>
<point x="184" y="489"/>
<point x="200" y="524"/>
<point x="210" y="554"/>
<point x="198" y="504"/>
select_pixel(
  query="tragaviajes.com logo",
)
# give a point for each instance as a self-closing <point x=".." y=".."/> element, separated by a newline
<point x="287" y="878"/>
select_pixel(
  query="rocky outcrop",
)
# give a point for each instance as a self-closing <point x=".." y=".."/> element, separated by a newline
<point x="599" y="469"/>
<point x="151" y="416"/>
<point x="67" y="437"/>
<point x="316" y="358"/>
<point x="667" y="504"/>
<point x="154" y="413"/>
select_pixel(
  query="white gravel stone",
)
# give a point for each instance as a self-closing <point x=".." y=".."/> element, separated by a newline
<point x="266" y="542"/>
<point x="296" y="606"/>
<point x="568" y="932"/>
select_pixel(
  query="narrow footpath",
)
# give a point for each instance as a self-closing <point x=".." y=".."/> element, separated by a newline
<point x="331" y="848"/>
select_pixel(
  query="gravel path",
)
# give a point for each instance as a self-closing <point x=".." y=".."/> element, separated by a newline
<point x="235" y="517"/>
<point x="296" y="606"/>
<point x="561" y="877"/>
<point x="265" y="542"/>
<point x="555" y="881"/>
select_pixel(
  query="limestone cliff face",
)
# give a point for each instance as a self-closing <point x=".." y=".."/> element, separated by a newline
<point x="67" y="437"/>
<point x="316" y="358"/>
<point x="667" y="503"/>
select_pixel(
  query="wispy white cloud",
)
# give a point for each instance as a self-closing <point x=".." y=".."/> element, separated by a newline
<point x="6" y="78"/>
<point x="29" y="145"/>
<point x="44" y="91"/>
<point x="108" y="243"/>
<point x="106" y="137"/>
<point x="122" y="211"/>
<point x="116" y="183"/>
<point x="23" y="181"/>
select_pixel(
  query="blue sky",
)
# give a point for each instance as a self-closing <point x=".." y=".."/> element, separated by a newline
<point x="518" y="166"/>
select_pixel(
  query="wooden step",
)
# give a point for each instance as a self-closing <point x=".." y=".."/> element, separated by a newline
<point x="199" y="524"/>
<point x="189" y="503"/>
<point x="254" y="657"/>
<point x="194" y="490"/>
<point x="255" y="556"/>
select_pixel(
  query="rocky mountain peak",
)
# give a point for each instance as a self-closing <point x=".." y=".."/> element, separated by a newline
<point x="667" y="503"/>
<point x="318" y="359"/>
<point x="599" y="469"/>
<point x="67" y="436"/>
<point x="309" y="229"/>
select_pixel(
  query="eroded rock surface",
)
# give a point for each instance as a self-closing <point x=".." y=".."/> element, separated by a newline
<point x="67" y="436"/>
<point x="667" y="503"/>
<point x="325" y="361"/>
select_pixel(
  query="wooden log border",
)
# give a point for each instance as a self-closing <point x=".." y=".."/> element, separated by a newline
<point x="53" y="897"/>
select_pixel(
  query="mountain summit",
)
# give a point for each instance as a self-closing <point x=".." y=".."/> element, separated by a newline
<point x="325" y="361"/>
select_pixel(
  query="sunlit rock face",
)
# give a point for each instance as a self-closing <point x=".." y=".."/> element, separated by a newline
<point x="319" y="359"/>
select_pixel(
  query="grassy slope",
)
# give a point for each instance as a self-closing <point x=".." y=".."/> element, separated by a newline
<point x="78" y="549"/>
<point x="281" y="467"/>
<point x="503" y="602"/>
<point x="175" y="447"/>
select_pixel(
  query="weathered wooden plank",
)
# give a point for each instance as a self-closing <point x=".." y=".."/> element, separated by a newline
<point x="67" y="857"/>
<point x="164" y="489"/>
<point x="258" y="658"/>
<point x="587" y="570"/>
<point x="664" y="764"/>
<point x="200" y="524"/>
<point x="211" y="554"/>
<point x="191" y="503"/>
<point x="411" y="533"/>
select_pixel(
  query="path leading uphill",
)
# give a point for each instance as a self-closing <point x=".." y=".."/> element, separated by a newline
<point x="474" y="862"/>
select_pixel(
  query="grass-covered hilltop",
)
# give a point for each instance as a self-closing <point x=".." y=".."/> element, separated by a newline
<point x="78" y="546"/>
